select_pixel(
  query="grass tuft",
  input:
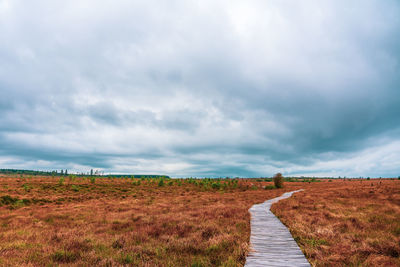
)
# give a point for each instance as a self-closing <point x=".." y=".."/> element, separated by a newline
<point x="64" y="256"/>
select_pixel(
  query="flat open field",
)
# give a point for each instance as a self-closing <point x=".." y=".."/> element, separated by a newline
<point x="350" y="223"/>
<point x="113" y="222"/>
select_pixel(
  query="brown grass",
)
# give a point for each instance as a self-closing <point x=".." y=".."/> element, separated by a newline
<point x="351" y="223"/>
<point x="114" y="222"/>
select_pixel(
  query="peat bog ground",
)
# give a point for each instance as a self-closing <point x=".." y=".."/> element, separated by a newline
<point x="112" y="222"/>
<point x="347" y="223"/>
<point x="49" y="221"/>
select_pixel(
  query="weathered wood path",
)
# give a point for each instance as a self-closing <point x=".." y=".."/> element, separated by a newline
<point x="270" y="240"/>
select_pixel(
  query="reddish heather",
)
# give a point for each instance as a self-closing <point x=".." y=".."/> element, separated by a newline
<point x="348" y="223"/>
<point x="115" y="222"/>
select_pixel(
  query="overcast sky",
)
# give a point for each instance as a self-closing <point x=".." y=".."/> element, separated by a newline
<point x="201" y="88"/>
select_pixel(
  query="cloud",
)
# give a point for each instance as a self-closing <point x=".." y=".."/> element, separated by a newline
<point x="211" y="88"/>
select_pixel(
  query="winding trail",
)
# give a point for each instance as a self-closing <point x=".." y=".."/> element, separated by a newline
<point x="271" y="242"/>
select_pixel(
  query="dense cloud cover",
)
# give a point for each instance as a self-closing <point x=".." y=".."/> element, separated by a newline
<point x="201" y="88"/>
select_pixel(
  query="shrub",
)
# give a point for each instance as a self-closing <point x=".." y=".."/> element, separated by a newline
<point x="92" y="179"/>
<point x="161" y="182"/>
<point x="215" y="185"/>
<point x="61" y="181"/>
<point x="278" y="180"/>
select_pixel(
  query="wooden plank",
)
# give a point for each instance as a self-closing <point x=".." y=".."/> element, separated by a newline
<point x="271" y="242"/>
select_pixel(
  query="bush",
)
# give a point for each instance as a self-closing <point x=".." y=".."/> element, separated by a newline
<point x="215" y="185"/>
<point x="161" y="182"/>
<point x="278" y="180"/>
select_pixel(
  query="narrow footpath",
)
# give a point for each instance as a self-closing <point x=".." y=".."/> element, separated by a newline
<point x="270" y="241"/>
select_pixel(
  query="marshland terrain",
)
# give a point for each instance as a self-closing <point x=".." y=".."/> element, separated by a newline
<point x="190" y="222"/>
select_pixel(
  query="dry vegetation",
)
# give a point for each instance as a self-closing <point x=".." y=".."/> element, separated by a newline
<point x="346" y="223"/>
<point x="113" y="222"/>
<point x="48" y="221"/>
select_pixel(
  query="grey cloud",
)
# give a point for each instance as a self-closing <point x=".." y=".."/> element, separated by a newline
<point x="164" y="86"/>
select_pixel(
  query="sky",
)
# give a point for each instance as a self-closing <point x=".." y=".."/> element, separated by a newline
<point x="201" y="88"/>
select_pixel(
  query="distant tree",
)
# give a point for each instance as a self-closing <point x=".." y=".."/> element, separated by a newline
<point x="62" y="172"/>
<point x="91" y="172"/>
<point x="66" y="172"/>
<point x="278" y="180"/>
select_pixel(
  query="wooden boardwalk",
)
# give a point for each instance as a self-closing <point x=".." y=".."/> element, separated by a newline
<point x="270" y="240"/>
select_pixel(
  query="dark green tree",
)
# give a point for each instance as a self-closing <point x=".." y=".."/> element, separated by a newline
<point x="278" y="180"/>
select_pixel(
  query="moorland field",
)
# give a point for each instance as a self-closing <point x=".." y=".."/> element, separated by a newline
<point x="347" y="223"/>
<point x="86" y="221"/>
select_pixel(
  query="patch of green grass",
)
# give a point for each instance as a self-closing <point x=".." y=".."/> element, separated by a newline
<point x="269" y="187"/>
<point x="126" y="259"/>
<point x="313" y="242"/>
<point x="74" y="188"/>
<point x="64" y="256"/>
<point x="26" y="187"/>
<point x="8" y="200"/>
<point x="198" y="263"/>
